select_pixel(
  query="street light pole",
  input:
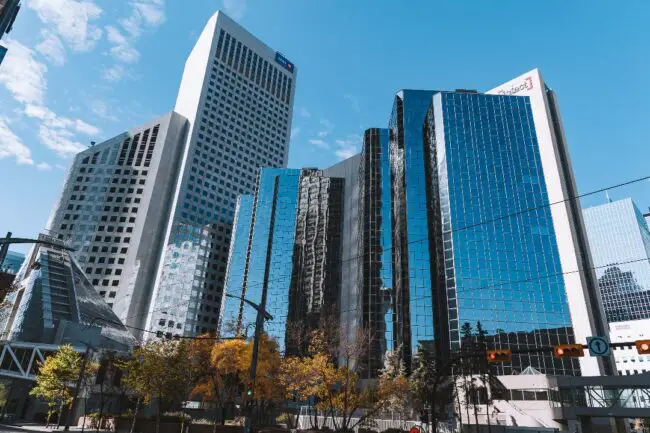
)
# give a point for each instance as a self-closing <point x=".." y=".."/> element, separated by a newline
<point x="262" y="314"/>
<point x="80" y="379"/>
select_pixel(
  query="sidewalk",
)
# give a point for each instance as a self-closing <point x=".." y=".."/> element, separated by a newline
<point x="36" y="428"/>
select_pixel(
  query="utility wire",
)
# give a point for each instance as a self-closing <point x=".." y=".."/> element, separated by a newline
<point x="457" y="229"/>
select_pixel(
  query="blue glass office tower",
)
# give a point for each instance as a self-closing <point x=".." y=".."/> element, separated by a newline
<point x="375" y="279"/>
<point x="618" y="238"/>
<point x="486" y="164"/>
<point x="285" y="253"/>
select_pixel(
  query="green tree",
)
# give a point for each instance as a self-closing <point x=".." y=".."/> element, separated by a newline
<point x="155" y="374"/>
<point x="57" y="376"/>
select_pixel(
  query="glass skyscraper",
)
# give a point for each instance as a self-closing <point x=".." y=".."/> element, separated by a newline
<point x="457" y="227"/>
<point x="618" y="234"/>
<point x="412" y="272"/>
<point x="375" y="280"/>
<point x="485" y="165"/>
<point x="286" y="254"/>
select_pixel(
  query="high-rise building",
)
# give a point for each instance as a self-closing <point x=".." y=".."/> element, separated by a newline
<point x="620" y="247"/>
<point x="237" y="94"/>
<point x="114" y="208"/>
<point x="8" y="12"/>
<point x="413" y="274"/>
<point x="286" y="252"/>
<point x="375" y="280"/>
<point x="476" y="190"/>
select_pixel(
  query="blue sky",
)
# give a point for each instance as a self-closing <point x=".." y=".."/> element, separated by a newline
<point x="82" y="70"/>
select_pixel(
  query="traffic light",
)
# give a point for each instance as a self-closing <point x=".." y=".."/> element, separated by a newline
<point x="249" y="389"/>
<point x="568" y="351"/>
<point x="499" y="355"/>
<point x="643" y="347"/>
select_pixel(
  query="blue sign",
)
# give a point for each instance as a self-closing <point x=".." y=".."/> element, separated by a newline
<point x="598" y="346"/>
<point x="3" y="51"/>
<point x="286" y="64"/>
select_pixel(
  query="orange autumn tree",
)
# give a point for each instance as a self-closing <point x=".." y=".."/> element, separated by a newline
<point x="327" y="378"/>
<point x="223" y="367"/>
<point x="226" y="368"/>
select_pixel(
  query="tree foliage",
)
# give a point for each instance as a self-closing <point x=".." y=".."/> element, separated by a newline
<point x="327" y="379"/>
<point x="57" y="377"/>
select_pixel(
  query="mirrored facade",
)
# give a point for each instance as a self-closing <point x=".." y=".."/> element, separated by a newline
<point x="412" y="271"/>
<point x="285" y="254"/>
<point x="486" y="165"/>
<point x="618" y="234"/>
<point x="375" y="239"/>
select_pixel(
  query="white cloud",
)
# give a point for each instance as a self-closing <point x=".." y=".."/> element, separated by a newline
<point x="294" y="132"/>
<point x="153" y="11"/>
<point x="122" y="49"/>
<point x="57" y="132"/>
<point x="114" y="73"/>
<point x="143" y="12"/>
<point x="72" y="20"/>
<point x="115" y="36"/>
<point x="319" y="143"/>
<point x="60" y="141"/>
<point x="43" y="166"/>
<point x="52" y="47"/>
<point x="354" y="102"/>
<point x="86" y="128"/>
<point x="61" y="167"/>
<point x="349" y="146"/>
<point x="345" y="153"/>
<point x="12" y="146"/>
<point x="305" y="113"/>
<point x="235" y="8"/>
<point x="329" y="127"/>
<point x="52" y="120"/>
<point x="22" y="74"/>
<point x="101" y="109"/>
<point x="125" y="53"/>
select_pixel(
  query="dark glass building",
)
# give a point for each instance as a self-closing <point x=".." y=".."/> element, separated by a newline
<point x="411" y="251"/>
<point x="8" y="12"/>
<point x="286" y="253"/>
<point x="375" y="280"/>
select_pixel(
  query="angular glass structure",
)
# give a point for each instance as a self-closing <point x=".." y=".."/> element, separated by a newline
<point x="55" y="303"/>
<point x="486" y="164"/>
<point x="618" y="234"/>
<point x="285" y="253"/>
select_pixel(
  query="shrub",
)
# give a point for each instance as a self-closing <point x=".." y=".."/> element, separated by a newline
<point x="394" y="430"/>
